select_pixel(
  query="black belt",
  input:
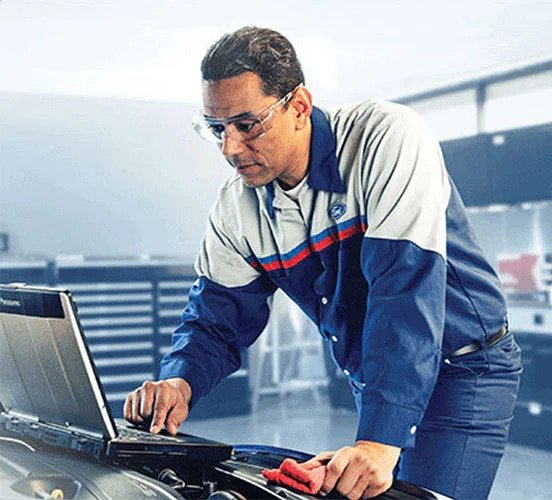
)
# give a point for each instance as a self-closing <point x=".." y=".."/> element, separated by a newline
<point x="491" y="341"/>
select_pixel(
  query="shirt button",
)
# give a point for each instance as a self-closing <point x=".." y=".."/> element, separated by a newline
<point x="413" y="429"/>
<point x="324" y="300"/>
<point x="334" y="338"/>
<point x="346" y="372"/>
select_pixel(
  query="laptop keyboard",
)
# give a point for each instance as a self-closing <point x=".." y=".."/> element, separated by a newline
<point x="131" y="434"/>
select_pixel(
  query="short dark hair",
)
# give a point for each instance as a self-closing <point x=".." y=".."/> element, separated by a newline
<point x="263" y="51"/>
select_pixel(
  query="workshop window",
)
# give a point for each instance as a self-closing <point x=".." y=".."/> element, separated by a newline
<point x="519" y="103"/>
<point x="450" y="116"/>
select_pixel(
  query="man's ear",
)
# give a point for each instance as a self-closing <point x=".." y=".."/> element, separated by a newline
<point x="301" y="104"/>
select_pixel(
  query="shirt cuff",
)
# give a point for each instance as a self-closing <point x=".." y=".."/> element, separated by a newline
<point x="389" y="424"/>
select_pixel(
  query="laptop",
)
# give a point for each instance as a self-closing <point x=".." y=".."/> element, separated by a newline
<point x="50" y="389"/>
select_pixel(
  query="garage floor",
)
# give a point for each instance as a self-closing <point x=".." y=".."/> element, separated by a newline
<point x="297" y="422"/>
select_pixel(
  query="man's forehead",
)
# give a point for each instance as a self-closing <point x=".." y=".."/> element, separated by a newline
<point x="233" y="96"/>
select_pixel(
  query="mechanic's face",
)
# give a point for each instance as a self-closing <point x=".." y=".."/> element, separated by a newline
<point x="281" y="152"/>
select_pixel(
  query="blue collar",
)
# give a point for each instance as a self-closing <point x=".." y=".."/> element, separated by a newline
<point x="323" y="166"/>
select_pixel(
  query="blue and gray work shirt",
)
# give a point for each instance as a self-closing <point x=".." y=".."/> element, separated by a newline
<point x="375" y="248"/>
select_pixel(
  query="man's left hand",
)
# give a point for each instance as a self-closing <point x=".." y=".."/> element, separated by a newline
<point x="364" y="470"/>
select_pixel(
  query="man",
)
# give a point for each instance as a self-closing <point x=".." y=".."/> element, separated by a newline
<point x="353" y="215"/>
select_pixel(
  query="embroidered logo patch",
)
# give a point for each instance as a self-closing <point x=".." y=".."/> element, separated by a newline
<point x="337" y="210"/>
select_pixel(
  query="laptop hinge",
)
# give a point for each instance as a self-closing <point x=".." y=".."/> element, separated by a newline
<point x="63" y="436"/>
<point x="16" y="416"/>
<point x="86" y="432"/>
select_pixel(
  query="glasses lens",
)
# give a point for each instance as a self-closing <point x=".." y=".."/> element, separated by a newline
<point x="215" y="130"/>
<point x="208" y="131"/>
<point x="245" y="130"/>
<point x="240" y="130"/>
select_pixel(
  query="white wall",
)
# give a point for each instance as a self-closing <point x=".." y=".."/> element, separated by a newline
<point x="97" y="176"/>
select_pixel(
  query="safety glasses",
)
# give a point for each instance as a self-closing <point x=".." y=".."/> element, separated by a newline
<point x="244" y="127"/>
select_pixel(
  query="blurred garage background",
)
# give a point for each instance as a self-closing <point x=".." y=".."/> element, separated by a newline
<point x="105" y="189"/>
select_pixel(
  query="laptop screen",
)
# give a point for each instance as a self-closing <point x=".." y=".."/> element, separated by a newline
<point x="45" y="367"/>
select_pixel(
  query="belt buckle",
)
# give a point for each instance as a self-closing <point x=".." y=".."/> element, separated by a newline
<point x="498" y="336"/>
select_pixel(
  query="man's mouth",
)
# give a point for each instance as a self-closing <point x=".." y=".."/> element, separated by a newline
<point x="244" y="167"/>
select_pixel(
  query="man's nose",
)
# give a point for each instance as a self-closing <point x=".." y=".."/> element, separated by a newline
<point x="231" y="146"/>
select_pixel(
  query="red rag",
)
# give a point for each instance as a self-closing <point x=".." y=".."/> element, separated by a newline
<point x="304" y="478"/>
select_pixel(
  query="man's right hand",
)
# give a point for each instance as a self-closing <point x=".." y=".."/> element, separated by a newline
<point x="165" y="403"/>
